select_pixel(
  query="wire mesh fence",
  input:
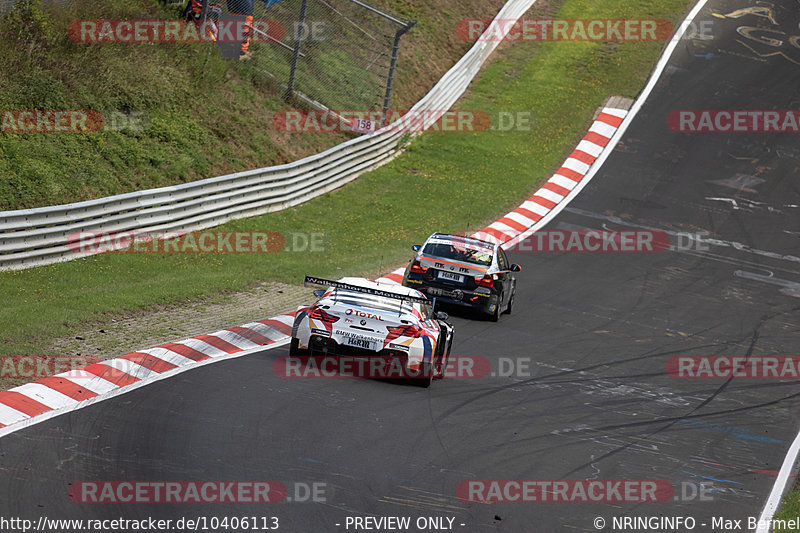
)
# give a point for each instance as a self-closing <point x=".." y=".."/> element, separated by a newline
<point x="6" y="5"/>
<point x="340" y="53"/>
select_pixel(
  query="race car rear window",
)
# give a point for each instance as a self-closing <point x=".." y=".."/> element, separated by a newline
<point x="464" y="253"/>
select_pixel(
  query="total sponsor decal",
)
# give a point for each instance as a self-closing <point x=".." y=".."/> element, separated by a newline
<point x="363" y="314"/>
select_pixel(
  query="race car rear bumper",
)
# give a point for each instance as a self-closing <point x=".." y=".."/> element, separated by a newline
<point x="328" y="346"/>
<point x="479" y="299"/>
<point x="383" y="364"/>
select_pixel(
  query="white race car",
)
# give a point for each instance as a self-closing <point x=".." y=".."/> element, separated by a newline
<point x="366" y="318"/>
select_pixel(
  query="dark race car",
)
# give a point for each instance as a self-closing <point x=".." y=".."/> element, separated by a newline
<point x="464" y="271"/>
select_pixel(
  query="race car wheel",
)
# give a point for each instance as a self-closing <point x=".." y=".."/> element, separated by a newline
<point x="443" y="364"/>
<point x="438" y="365"/>
<point x="510" y="303"/>
<point x="294" y="349"/>
<point x="427" y="376"/>
<point x="444" y="357"/>
<point x="494" y="316"/>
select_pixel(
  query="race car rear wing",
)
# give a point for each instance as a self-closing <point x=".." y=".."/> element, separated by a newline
<point x="365" y="290"/>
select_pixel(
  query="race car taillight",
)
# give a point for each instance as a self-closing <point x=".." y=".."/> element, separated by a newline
<point x="405" y="331"/>
<point x="486" y="281"/>
<point x="319" y="314"/>
<point x="417" y="268"/>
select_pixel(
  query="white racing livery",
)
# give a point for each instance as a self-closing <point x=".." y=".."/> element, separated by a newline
<point x="361" y="317"/>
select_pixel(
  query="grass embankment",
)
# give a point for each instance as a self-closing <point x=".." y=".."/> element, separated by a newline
<point x="446" y="182"/>
<point x="789" y="511"/>
<point x="201" y="116"/>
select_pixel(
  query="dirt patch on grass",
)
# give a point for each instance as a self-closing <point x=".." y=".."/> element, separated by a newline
<point x="130" y="332"/>
<point x="121" y="334"/>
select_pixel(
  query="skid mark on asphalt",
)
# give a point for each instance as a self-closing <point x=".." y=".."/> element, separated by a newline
<point x="425" y="500"/>
<point x="734" y="431"/>
<point x="717" y="242"/>
<point x="536" y="380"/>
<point x="789" y="288"/>
<point x="404" y="494"/>
<point x="671" y="423"/>
<point x="710" y="414"/>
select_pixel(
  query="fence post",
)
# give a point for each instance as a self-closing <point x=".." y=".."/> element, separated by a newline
<point x="387" y="99"/>
<point x="301" y="30"/>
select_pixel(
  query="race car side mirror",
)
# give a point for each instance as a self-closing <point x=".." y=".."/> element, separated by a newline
<point x="441" y="315"/>
<point x="416" y="247"/>
<point x="319" y="293"/>
<point x="515" y="268"/>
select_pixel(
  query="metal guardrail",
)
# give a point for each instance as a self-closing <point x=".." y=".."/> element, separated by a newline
<point x="40" y="236"/>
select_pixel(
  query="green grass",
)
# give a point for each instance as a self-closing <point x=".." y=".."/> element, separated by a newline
<point x="192" y="100"/>
<point x="445" y="182"/>
<point x="203" y="116"/>
<point x="789" y="510"/>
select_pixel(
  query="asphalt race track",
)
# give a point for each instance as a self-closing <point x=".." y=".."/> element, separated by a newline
<point x="590" y="338"/>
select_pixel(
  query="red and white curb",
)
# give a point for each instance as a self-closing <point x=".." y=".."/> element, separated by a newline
<point x="522" y="221"/>
<point x="529" y="216"/>
<point x="54" y="395"/>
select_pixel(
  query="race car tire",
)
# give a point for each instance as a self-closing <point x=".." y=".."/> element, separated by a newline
<point x="510" y="303"/>
<point x="495" y="315"/>
<point x="427" y="376"/>
<point x="295" y="350"/>
<point x="444" y="358"/>
<point x="438" y="365"/>
<point x="445" y="361"/>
